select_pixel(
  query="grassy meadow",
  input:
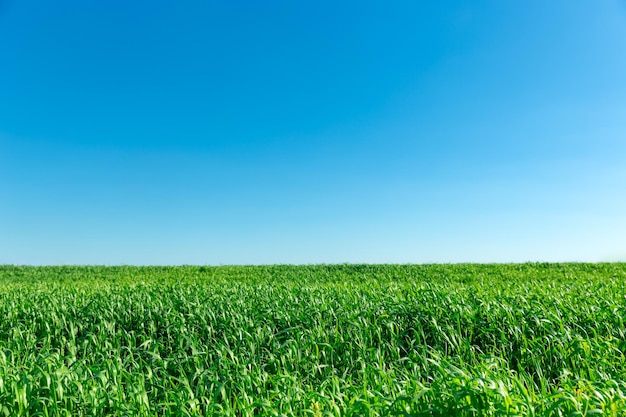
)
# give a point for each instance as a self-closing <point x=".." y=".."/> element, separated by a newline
<point x="321" y="340"/>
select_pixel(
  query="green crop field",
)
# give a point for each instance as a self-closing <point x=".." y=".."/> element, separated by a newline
<point x="354" y="340"/>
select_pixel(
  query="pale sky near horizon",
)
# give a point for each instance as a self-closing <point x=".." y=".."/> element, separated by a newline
<point x="221" y="132"/>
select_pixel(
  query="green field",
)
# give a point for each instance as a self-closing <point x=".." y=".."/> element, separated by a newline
<point x="431" y="340"/>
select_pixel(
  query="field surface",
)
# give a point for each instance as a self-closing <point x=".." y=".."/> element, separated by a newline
<point x="352" y="340"/>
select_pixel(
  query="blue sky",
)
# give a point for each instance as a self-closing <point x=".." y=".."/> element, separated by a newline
<point x="244" y="132"/>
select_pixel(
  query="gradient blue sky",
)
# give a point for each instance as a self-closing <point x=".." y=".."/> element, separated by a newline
<point x="247" y="132"/>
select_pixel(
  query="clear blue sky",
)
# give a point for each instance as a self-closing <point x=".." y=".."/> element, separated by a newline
<point x="247" y="132"/>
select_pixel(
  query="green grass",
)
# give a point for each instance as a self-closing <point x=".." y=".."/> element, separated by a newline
<point x="431" y="340"/>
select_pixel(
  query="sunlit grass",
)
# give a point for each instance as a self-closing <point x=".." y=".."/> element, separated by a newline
<point x="433" y="340"/>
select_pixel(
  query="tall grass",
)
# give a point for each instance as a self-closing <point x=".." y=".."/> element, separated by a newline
<point x="431" y="340"/>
